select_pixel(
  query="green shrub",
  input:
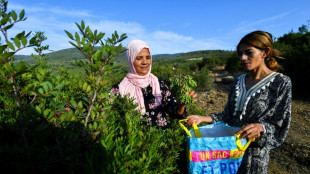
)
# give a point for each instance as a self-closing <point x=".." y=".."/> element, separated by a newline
<point x="67" y="123"/>
<point x="131" y="147"/>
<point x="204" y="82"/>
<point x="233" y="64"/>
<point x="295" y="48"/>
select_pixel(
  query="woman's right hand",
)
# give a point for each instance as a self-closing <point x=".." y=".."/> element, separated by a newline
<point x="197" y="119"/>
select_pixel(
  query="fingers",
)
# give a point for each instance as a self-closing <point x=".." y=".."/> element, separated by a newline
<point x="250" y="131"/>
<point x="193" y="94"/>
<point x="190" y="120"/>
<point x="193" y="119"/>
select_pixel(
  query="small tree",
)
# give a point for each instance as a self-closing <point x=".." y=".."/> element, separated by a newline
<point x="27" y="96"/>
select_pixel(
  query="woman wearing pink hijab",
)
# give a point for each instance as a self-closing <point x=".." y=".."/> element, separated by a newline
<point x="152" y="95"/>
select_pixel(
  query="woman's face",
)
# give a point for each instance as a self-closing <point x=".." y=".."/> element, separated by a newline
<point x="143" y="62"/>
<point x="251" y="57"/>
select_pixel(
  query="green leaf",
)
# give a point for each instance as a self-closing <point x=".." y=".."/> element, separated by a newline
<point x="11" y="46"/>
<point x="92" y="114"/>
<point x="62" y="117"/>
<point x="84" y="86"/>
<point x="46" y="112"/>
<point x="14" y="15"/>
<point x="17" y="42"/>
<point x="45" y="87"/>
<point x="69" y="34"/>
<point x="83" y="40"/>
<point x="88" y="88"/>
<point x="4" y="20"/>
<point x="40" y="90"/>
<point x="80" y="28"/>
<point x="49" y="84"/>
<point x="60" y="85"/>
<point x="82" y="25"/>
<point x="77" y="39"/>
<point x="8" y="27"/>
<point x="141" y="133"/>
<point x="33" y="40"/>
<point x="24" y="40"/>
<point x="116" y="35"/>
<point x="9" y="68"/>
<point x="86" y="46"/>
<point x="38" y="109"/>
<point x="55" y="92"/>
<point x="95" y="125"/>
<point x="100" y="36"/>
<point x="21" y="66"/>
<point x="73" y="103"/>
<point x="2" y="48"/>
<point x="80" y="104"/>
<point x="21" y="14"/>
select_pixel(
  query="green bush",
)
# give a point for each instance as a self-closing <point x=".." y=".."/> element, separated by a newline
<point x="295" y="47"/>
<point x="233" y="64"/>
<point x="68" y="123"/>
<point x="210" y="63"/>
<point x="204" y="82"/>
<point x="131" y="147"/>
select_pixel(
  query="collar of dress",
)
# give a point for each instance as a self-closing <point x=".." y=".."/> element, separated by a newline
<point x="243" y="95"/>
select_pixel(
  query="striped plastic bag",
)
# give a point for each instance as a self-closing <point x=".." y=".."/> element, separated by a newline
<point x="214" y="148"/>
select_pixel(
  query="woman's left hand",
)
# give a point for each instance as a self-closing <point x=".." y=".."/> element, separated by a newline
<point x="193" y="94"/>
<point x="252" y="130"/>
<point x="181" y="106"/>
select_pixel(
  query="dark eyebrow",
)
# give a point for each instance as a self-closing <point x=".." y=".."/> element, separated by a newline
<point x="250" y="49"/>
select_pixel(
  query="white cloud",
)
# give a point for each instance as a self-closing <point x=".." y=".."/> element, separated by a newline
<point x="53" y="21"/>
<point x="162" y="42"/>
<point x="51" y="10"/>
<point x="247" y="26"/>
<point x="170" y="36"/>
<point x="121" y="27"/>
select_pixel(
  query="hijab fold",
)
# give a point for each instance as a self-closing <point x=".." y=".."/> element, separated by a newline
<point x="133" y="83"/>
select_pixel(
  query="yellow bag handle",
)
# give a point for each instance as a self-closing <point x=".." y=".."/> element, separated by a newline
<point x="198" y="135"/>
<point x="239" y="145"/>
<point x="195" y="127"/>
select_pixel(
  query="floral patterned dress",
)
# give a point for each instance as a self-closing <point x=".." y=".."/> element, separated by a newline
<point x="268" y="102"/>
<point x="157" y="115"/>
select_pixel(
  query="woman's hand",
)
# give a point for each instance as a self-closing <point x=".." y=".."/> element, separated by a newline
<point x="193" y="94"/>
<point x="181" y="106"/>
<point x="252" y="130"/>
<point x="197" y="119"/>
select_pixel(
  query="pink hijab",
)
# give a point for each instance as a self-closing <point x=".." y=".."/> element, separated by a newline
<point x="133" y="82"/>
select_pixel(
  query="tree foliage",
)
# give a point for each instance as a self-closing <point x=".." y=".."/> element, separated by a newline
<point x="295" y="47"/>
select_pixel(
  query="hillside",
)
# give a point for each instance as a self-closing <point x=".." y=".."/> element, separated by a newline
<point x="70" y="54"/>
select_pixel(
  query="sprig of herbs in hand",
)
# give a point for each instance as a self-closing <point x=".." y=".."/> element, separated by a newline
<point x="181" y="85"/>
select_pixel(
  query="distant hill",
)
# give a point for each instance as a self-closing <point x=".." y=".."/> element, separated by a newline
<point x="22" y="57"/>
<point x="69" y="54"/>
<point x="166" y="55"/>
<point x="65" y="55"/>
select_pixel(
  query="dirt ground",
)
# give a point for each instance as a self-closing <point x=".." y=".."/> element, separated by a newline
<point x="293" y="156"/>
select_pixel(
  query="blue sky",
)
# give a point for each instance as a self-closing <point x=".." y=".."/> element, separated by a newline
<point x="167" y="26"/>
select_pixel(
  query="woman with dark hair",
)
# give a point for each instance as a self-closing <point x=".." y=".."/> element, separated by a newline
<point x="152" y="95"/>
<point x="260" y="100"/>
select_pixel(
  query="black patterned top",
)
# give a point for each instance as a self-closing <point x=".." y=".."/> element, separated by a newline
<point x="157" y="115"/>
<point x="268" y="102"/>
